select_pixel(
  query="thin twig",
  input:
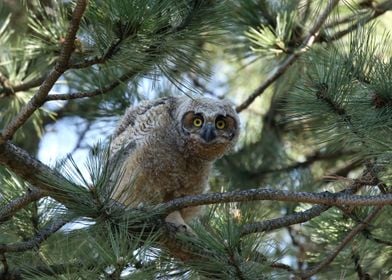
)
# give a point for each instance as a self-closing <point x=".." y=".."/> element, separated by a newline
<point x="13" y="206"/>
<point x="10" y="89"/>
<point x="357" y="229"/>
<point x="61" y="66"/>
<point x="35" y="241"/>
<point x="281" y="69"/>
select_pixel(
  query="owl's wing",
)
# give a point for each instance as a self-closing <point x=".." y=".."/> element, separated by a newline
<point x="140" y="122"/>
<point x="131" y="139"/>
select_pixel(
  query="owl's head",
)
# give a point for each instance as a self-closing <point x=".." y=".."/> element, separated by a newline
<point x="209" y="128"/>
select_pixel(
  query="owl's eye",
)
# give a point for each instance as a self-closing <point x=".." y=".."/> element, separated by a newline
<point x="220" y="124"/>
<point x="197" y="122"/>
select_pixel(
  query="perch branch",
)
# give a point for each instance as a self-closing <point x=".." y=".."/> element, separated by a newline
<point x="281" y="69"/>
<point x="34" y="171"/>
<point x="326" y="198"/>
<point x="61" y="66"/>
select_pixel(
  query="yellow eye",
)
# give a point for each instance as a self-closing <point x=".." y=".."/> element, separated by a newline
<point x="220" y="124"/>
<point x="197" y="122"/>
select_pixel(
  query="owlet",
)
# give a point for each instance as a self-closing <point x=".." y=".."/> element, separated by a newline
<point x="167" y="149"/>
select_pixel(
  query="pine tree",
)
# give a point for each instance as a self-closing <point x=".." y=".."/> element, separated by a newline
<point x="306" y="194"/>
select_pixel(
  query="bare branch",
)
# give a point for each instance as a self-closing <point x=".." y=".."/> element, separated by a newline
<point x="8" y="210"/>
<point x="11" y="89"/>
<point x="326" y="198"/>
<point x="96" y="92"/>
<point x="312" y="271"/>
<point x="281" y="69"/>
<point x="34" y="242"/>
<point x="285" y="221"/>
<point x="299" y="217"/>
<point x="61" y="66"/>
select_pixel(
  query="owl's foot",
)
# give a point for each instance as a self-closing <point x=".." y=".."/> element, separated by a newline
<point x="177" y="224"/>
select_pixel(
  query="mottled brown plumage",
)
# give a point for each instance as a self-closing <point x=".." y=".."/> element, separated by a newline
<point x="167" y="149"/>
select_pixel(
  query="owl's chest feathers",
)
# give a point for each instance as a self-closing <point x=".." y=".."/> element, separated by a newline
<point x="171" y="174"/>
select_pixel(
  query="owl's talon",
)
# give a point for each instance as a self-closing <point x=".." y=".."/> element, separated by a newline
<point x="184" y="228"/>
<point x="174" y="228"/>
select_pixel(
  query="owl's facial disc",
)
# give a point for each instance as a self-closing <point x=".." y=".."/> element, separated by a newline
<point x="209" y="130"/>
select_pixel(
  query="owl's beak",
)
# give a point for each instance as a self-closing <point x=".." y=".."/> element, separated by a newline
<point x="208" y="133"/>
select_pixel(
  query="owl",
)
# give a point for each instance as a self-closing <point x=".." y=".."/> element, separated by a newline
<point x="166" y="147"/>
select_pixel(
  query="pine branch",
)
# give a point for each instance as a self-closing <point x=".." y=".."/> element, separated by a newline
<point x="378" y="240"/>
<point x="282" y="266"/>
<point x="303" y="216"/>
<point x="110" y="52"/>
<point x="309" y="160"/>
<point x="7" y="211"/>
<point x="4" y="262"/>
<point x="233" y="262"/>
<point x="93" y="93"/>
<point x="33" y="171"/>
<point x="9" y="89"/>
<point x="49" y="270"/>
<point x="343" y="171"/>
<point x="358" y="268"/>
<point x="285" y="221"/>
<point x="326" y="198"/>
<point x="377" y="11"/>
<point x="61" y="66"/>
<point x="36" y="240"/>
<point x="350" y="236"/>
<point x="281" y="69"/>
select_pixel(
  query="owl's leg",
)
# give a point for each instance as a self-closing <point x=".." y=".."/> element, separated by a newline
<point x="189" y="213"/>
<point x="175" y="218"/>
